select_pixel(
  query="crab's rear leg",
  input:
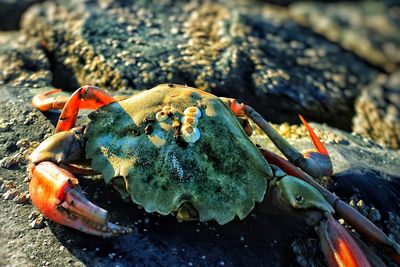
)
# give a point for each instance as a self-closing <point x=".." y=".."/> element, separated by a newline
<point x="364" y="226"/>
<point x="86" y="97"/>
<point x="55" y="192"/>
<point x="317" y="163"/>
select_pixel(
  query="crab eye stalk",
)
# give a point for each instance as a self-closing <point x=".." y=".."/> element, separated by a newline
<point x="192" y="112"/>
<point x="190" y="134"/>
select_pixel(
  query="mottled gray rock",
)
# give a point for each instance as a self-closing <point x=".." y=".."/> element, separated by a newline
<point x="378" y="111"/>
<point x="246" y="50"/>
<point x="22" y="62"/>
<point x="11" y="12"/>
<point x="371" y="29"/>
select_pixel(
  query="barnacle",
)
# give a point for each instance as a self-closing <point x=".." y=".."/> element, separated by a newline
<point x="190" y="120"/>
<point x="192" y="112"/>
<point x="168" y="110"/>
<point x="161" y="116"/>
<point x="190" y="134"/>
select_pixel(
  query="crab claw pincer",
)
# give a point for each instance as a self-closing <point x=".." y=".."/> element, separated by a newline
<point x="56" y="194"/>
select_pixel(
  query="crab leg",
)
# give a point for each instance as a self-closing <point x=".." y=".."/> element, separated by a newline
<point x="55" y="193"/>
<point x="345" y="211"/>
<point x="292" y="194"/>
<point x="317" y="164"/>
<point x="44" y="103"/>
<point x="86" y="97"/>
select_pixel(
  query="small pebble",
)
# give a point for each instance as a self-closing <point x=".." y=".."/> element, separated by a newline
<point x="38" y="223"/>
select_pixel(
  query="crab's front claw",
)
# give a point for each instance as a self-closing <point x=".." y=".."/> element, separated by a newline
<point x="298" y="197"/>
<point x="56" y="194"/>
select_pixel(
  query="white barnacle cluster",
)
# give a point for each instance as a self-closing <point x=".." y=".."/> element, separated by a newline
<point x="190" y="132"/>
<point x="164" y="113"/>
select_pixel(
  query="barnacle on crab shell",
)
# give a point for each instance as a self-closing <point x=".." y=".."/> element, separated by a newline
<point x="192" y="112"/>
<point x="190" y="134"/>
<point x="161" y="116"/>
<point x="193" y="121"/>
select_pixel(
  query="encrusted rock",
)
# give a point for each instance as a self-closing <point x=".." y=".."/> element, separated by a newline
<point x="250" y="51"/>
<point x="369" y="29"/>
<point x="22" y="62"/>
<point x="378" y="111"/>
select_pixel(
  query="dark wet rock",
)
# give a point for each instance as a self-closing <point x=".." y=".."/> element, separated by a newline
<point x="22" y="62"/>
<point x="371" y="29"/>
<point x="249" y="51"/>
<point x="11" y="12"/>
<point x="378" y="111"/>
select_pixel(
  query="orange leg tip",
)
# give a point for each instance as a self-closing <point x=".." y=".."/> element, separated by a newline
<point x="339" y="247"/>
<point x="237" y="108"/>
<point x="314" y="138"/>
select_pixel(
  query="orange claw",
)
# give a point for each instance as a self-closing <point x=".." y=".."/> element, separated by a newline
<point x="314" y="138"/>
<point x="55" y="193"/>
<point x="339" y="247"/>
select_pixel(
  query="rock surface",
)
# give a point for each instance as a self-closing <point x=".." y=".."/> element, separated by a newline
<point x="369" y="29"/>
<point x="378" y="111"/>
<point x="252" y="52"/>
<point x="22" y="62"/>
<point x="11" y="12"/>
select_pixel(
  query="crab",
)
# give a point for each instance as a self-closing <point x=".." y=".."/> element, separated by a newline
<point x="178" y="150"/>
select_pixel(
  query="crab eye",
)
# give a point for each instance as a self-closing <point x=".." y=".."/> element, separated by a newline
<point x="168" y="110"/>
<point x="299" y="198"/>
<point x="193" y="121"/>
<point x="192" y="112"/>
<point x="190" y="134"/>
<point x="161" y="116"/>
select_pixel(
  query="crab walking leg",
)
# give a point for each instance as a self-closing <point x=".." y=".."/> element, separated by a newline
<point x="86" y="97"/>
<point x="44" y="103"/>
<point x="364" y="226"/>
<point x="294" y="195"/>
<point x="55" y="193"/>
<point x="89" y="96"/>
<point x="316" y="164"/>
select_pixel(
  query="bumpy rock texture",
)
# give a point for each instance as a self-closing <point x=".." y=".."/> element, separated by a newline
<point x="378" y="111"/>
<point x="371" y="30"/>
<point x="22" y="62"/>
<point x="255" y="54"/>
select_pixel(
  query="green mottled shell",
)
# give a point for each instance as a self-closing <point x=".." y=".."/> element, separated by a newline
<point x="221" y="175"/>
